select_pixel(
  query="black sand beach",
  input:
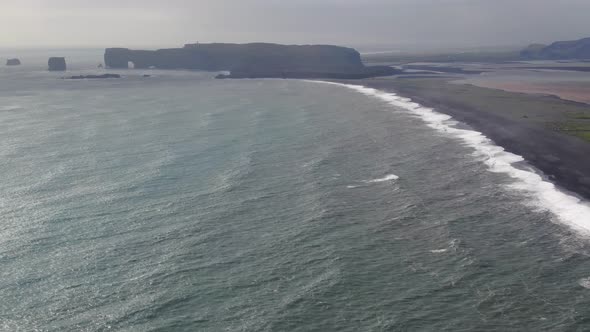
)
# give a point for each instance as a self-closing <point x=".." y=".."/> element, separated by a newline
<point x="537" y="128"/>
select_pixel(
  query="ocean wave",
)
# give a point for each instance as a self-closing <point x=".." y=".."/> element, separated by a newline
<point x="387" y="178"/>
<point x="568" y="209"/>
<point x="585" y="282"/>
<point x="10" y="108"/>
<point x="390" y="177"/>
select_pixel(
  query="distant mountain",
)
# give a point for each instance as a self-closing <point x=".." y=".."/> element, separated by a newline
<point x="561" y="50"/>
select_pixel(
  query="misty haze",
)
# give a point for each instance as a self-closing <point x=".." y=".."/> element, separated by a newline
<point x="265" y="165"/>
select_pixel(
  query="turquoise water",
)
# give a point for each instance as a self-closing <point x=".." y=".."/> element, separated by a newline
<point x="182" y="203"/>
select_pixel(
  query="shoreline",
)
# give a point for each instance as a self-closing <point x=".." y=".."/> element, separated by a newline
<point x="563" y="159"/>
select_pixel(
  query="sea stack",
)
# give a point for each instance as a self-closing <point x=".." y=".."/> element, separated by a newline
<point x="57" y="64"/>
<point x="13" y="62"/>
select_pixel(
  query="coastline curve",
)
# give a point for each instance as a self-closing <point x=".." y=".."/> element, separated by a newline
<point x="566" y="207"/>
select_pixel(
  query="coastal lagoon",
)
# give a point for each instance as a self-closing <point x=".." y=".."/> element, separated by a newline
<point x="180" y="202"/>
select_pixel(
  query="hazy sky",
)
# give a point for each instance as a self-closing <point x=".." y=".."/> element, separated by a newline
<point x="105" y="23"/>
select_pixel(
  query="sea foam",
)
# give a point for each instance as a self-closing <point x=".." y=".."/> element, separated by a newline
<point x="10" y="107"/>
<point x="390" y="177"/>
<point x="568" y="209"/>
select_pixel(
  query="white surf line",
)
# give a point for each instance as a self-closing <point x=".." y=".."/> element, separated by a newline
<point x="568" y="209"/>
<point x="10" y="107"/>
<point x="390" y="177"/>
<point x="387" y="178"/>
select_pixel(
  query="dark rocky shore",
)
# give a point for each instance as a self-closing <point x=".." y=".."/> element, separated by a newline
<point x="563" y="158"/>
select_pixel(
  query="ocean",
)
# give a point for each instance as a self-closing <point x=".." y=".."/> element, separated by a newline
<point x="177" y="202"/>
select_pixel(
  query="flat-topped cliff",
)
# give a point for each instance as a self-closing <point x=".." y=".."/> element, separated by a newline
<point x="57" y="64"/>
<point x="252" y="60"/>
<point x="13" y="62"/>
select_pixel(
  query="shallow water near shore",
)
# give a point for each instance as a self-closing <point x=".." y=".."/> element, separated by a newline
<point x="179" y="202"/>
<point x="565" y="206"/>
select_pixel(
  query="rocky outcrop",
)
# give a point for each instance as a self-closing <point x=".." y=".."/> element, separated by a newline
<point x="13" y="62"/>
<point x="562" y="50"/>
<point x="251" y="60"/>
<point x="81" y="77"/>
<point x="57" y="64"/>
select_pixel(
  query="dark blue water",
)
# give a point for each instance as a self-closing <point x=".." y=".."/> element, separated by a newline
<point x="182" y="203"/>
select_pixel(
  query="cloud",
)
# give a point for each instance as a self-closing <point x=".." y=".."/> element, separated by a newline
<point x="352" y="22"/>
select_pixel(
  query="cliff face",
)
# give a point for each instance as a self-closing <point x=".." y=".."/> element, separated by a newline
<point x="576" y="49"/>
<point x="245" y="60"/>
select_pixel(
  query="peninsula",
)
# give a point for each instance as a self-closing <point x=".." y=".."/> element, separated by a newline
<point x="255" y="60"/>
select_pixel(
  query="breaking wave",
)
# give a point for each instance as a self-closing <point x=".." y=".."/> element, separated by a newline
<point x="390" y="177"/>
<point x="568" y="209"/>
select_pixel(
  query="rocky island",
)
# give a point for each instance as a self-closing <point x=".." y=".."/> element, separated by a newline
<point x="256" y="60"/>
<point x="57" y="64"/>
<point x="13" y="62"/>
